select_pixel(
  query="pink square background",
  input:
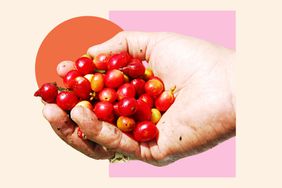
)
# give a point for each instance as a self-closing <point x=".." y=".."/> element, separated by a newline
<point x="215" y="26"/>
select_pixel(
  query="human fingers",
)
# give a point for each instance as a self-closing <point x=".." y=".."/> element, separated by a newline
<point x="66" y="129"/>
<point x="64" y="67"/>
<point x="135" y="43"/>
<point x="104" y="133"/>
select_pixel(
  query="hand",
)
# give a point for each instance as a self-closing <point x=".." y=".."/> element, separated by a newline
<point x="202" y="115"/>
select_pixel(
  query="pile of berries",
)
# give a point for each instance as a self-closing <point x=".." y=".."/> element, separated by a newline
<point x="118" y="88"/>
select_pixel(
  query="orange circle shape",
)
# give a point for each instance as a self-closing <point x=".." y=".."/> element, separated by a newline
<point x="68" y="41"/>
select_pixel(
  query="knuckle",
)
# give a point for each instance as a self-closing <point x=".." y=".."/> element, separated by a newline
<point x="109" y="136"/>
<point x="116" y="139"/>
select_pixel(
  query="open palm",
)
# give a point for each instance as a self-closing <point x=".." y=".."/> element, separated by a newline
<point x="202" y="115"/>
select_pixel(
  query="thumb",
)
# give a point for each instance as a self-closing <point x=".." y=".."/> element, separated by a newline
<point x="135" y="43"/>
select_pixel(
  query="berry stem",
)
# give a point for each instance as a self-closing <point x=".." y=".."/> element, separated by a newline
<point x="173" y="88"/>
<point x="37" y="93"/>
<point x="100" y="71"/>
<point x="62" y="89"/>
<point x="92" y="95"/>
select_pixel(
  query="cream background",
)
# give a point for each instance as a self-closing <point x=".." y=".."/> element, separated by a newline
<point x="32" y="158"/>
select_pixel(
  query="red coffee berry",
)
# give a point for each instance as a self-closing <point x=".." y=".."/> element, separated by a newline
<point x="84" y="65"/>
<point x="66" y="100"/>
<point x="48" y="92"/>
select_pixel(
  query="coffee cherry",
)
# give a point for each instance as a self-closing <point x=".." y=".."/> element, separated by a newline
<point x="69" y="77"/>
<point x="164" y="101"/>
<point x="101" y="61"/>
<point x="145" y="131"/>
<point x="154" y="87"/>
<point x="48" y="92"/>
<point x="125" y="124"/>
<point x="126" y="90"/>
<point x="117" y="61"/>
<point x="147" y="99"/>
<point x="156" y="115"/>
<point x="134" y="68"/>
<point x="104" y="111"/>
<point x="138" y="84"/>
<point x="66" y="100"/>
<point x="143" y="112"/>
<point x="127" y="106"/>
<point x="114" y="78"/>
<point x="108" y="94"/>
<point x="84" y="65"/>
<point x="81" y="87"/>
<point x="97" y="82"/>
<point x="85" y="104"/>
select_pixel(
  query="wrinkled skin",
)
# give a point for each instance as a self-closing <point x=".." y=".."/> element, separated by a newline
<point x="202" y="115"/>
